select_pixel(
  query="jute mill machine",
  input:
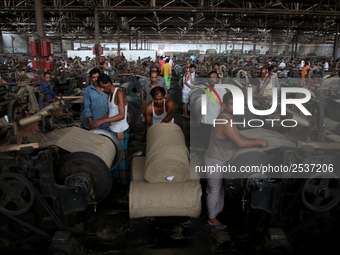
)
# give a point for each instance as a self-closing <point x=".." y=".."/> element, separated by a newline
<point x="61" y="172"/>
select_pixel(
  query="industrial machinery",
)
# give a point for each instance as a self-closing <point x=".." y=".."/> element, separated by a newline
<point x="277" y="207"/>
<point x="52" y="176"/>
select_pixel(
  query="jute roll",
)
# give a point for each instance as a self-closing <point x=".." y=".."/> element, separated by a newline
<point x="137" y="168"/>
<point x="166" y="154"/>
<point x="74" y="139"/>
<point x="165" y="199"/>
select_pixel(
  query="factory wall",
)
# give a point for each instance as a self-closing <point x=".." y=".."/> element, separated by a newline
<point x="14" y="43"/>
<point x="130" y="55"/>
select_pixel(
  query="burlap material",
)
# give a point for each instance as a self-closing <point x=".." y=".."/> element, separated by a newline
<point x="275" y="140"/>
<point x="166" y="154"/>
<point x="29" y="91"/>
<point x="165" y="199"/>
<point x="74" y="139"/>
<point x="137" y="168"/>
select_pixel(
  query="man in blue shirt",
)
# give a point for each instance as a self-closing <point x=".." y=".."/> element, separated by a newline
<point x="95" y="102"/>
<point x="46" y="86"/>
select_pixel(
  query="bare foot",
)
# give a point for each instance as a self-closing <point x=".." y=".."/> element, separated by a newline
<point x="216" y="224"/>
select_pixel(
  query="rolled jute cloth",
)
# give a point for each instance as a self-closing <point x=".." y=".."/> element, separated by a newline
<point x="165" y="199"/>
<point x="167" y="157"/>
<point x="137" y="168"/>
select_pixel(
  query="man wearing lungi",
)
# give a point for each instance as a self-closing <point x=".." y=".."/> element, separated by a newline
<point x="117" y="117"/>
<point x="224" y="140"/>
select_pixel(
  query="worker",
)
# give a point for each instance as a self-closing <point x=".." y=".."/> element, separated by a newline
<point x="224" y="141"/>
<point x="205" y="122"/>
<point x="146" y="70"/>
<point x="274" y="77"/>
<point x="217" y="69"/>
<point x="47" y="87"/>
<point x="160" y="80"/>
<point x="188" y="85"/>
<point x="325" y="65"/>
<point x="161" y="63"/>
<point x="304" y="70"/>
<point x="266" y="86"/>
<point x="95" y="102"/>
<point x="160" y="109"/>
<point x="166" y="72"/>
<point x="118" y="125"/>
<point x="171" y="60"/>
<point x="146" y="96"/>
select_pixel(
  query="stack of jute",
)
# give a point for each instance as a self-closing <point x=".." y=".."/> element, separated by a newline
<point x="161" y="184"/>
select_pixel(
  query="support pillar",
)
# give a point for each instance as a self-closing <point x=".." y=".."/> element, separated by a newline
<point x="129" y="39"/>
<point x="242" y="44"/>
<point x="292" y="53"/>
<point x="254" y="46"/>
<point x="271" y="45"/>
<point x="118" y="38"/>
<point x="61" y="38"/>
<point x="39" y="18"/>
<point x="1" y="43"/>
<point x="336" y="42"/>
<point x="96" y="35"/>
<point x="136" y="42"/>
<point x="296" y="45"/>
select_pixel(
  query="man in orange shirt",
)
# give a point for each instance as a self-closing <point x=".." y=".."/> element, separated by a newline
<point x="304" y="70"/>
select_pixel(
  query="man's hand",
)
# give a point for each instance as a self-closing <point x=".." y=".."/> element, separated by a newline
<point x="199" y="120"/>
<point x="97" y="124"/>
<point x="263" y="143"/>
<point x="92" y="126"/>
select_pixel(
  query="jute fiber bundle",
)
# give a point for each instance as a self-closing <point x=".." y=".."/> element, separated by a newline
<point x="165" y="199"/>
<point x="166" y="154"/>
<point x="74" y="139"/>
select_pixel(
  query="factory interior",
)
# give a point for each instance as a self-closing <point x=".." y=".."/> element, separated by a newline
<point x="86" y="172"/>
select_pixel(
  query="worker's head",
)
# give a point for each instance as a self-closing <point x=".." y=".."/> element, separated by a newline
<point x="158" y="94"/>
<point x="94" y="74"/>
<point x="192" y="68"/>
<point x="47" y="77"/>
<point x="167" y="60"/>
<point x="213" y="76"/>
<point x="145" y="65"/>
<point x="228" y="102"/>
<point x="104" y="81"/>
<point x="270" y="70"/>
<point x="217" y="66"/>
<point x="5" y="57"/>
<point x="153" y="77"/>
<point x="154" y="69"/>
<point x="161" y="57"/>
<point x="263" y="72"/>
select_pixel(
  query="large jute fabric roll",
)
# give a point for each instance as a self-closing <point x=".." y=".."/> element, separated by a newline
<point x="165" y="199"/>
<point x="74" y="139"/>
<point x="137" y="168"/>
<point x="166" y="154"/>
